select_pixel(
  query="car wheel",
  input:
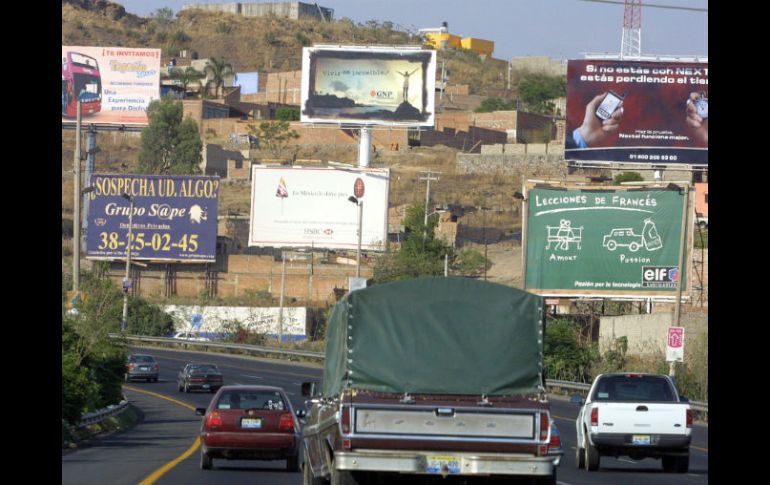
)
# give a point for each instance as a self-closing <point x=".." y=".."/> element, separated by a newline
<point x="547" y="480"/>
<point x="292" y="463"/>
<point x="592" y="455"/>
<point x="206" y="460"/>
<point x="612" y="245"/>
<point x="676" y="464"/>
<point x="634" y="247"/>
<point x="307" y="476"/>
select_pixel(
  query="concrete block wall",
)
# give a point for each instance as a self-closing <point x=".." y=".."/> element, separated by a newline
<point x="523" y="165"/>
<point x="647" y="333"/>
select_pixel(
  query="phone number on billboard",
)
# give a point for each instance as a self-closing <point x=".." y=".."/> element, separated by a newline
<point x="670" y="158"/>
<point x="158" y="242"/>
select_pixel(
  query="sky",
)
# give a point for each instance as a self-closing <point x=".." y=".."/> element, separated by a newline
<point x="561" y="29"/>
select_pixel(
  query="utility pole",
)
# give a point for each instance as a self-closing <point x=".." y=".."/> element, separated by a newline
<point x="76" y="215"/>
<point x="428" y="177"/>
<point x="682" y="239"/>
<point x="126" y="280"/>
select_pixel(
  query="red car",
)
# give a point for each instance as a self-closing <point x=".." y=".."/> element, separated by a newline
<point x="249" y="423"/>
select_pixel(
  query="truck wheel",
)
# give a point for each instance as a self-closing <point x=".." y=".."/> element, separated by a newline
<point x="341" y="477"/>
<point x="676" y="464"/>
<point x="292" y="463"/>
<point x="547" y="480"/>
<point x="580" y="457"/>
<point x="592" y="455"/>
<point x="307" y="476"/>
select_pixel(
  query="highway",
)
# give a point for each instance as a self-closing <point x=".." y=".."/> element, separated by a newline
<point x="162" y="447"/>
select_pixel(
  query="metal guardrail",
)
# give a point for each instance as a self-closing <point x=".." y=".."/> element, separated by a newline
<point x="579" y="386"/>
<point x="99" y="416"/>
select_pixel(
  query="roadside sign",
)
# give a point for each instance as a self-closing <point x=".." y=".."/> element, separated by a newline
<point x="675" y="344"/>
<point x="356" y="283"/>
<point x="74" y="299"/>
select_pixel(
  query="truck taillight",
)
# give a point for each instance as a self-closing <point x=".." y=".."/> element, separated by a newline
<point x="555" y="442"/>
<point x="130" y="366"/>
<point x="214" y="419"/>
<point x="544" y="426"/>
<point x="345" y="419"/>
<point x="689" y="418"/>
<point x="286" y="422"/>
<point x="594" y="416"/>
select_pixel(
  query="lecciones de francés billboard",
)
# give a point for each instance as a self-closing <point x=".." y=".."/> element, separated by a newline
<point x="310" y="207"/>
<point x="368" y="86"/>
<point x="604" y="242"/>
<point x="637" y="112"/>
<point x="174" y="217"/>
<point x="114" y="84"/>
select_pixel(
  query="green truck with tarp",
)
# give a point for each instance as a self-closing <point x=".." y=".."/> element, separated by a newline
<point x="431" y="376"/>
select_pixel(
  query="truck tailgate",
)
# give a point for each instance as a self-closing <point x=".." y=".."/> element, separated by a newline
<point x="643" y="418"/>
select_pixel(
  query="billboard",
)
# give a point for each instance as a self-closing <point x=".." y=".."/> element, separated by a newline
<point x="368" y="86"/>
<point x="248" y="81"/>
<point x="604" y="241"/>
<point x="174" y="217"/>
<point x="114" y="84"/>
<point x="637" y="112"/>
<point x="309" y="207"/>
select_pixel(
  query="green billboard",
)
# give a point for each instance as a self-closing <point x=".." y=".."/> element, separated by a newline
<point x="604" y="242"/>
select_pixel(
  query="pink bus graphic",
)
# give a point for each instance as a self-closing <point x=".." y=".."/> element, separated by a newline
<point x="80" y="80"/>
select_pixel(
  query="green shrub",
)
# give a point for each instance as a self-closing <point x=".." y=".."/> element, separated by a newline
<point x="628" y="177"/>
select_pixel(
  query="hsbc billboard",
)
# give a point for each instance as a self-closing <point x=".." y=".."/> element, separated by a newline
<point x="309" y="207"/>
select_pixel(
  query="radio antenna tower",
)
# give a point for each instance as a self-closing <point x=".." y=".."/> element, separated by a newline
<point x="631" y="43"/>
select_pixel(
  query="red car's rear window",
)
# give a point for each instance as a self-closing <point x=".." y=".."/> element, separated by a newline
<point x="272" y="400"/>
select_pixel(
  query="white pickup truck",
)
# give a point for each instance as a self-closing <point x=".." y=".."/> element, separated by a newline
<point x="634" y="415"/>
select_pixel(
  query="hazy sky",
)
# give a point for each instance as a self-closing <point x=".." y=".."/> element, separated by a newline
<point x="562" y="29"/>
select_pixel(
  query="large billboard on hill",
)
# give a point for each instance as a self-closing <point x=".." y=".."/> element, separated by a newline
<point x="309" y="207"/>
<point x="637" y="112"/>
<point x="605" y="242"/>
<point x="114" y="84"/>
<point x="174" y="217"/>
<point x="358" y="85"/>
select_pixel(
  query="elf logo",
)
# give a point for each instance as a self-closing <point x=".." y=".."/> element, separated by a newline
<point x="660" y="276"/>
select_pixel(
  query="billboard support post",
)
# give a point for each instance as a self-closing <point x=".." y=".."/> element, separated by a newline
<point x="524" y="217"/>
<point x="76" y="215"/>
<point x="280" y="308"/>
<point x="364" y="147"/>
<point x="90" y="164"/>
<point x="678" y="302"/>
<point x="126" y="281"/>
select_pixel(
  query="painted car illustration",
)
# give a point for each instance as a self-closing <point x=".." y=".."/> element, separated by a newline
<point x="625" y="237"/>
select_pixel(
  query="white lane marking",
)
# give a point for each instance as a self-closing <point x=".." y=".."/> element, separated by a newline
<point x="627" y="461"/>
<point x="297" y="383"/>
<point x="291" y="393"/>
<point x="237" y="384"/>
<point x="252" y="377"/>
<point x="559" y="482"/>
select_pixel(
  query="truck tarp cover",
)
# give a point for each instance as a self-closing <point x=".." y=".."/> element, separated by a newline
<point x="436" y="336"/>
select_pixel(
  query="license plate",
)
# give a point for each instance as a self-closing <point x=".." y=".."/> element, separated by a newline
<point x="144" y="367"/>
<point x="442" y="464"/>
<point x="251" y="423"/>
<point x="205" y="386"/>
<point x="640" y="439"/>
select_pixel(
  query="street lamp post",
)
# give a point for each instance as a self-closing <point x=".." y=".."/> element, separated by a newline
<point x="360" y="204"/>
<point x="126" y="284"/>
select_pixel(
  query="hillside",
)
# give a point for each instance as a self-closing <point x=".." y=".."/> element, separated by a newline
<point x="266" y="44"/>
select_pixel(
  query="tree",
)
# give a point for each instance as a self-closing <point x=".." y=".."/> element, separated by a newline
<point x="275" y="135"/>
<point x="421" y="253"/>
<point x="186" y="76"/>
<point x="537" y="91"/>
<point x="170" y="145"/>
<point x="217" y="70"/>
<point x="496" y="104"/>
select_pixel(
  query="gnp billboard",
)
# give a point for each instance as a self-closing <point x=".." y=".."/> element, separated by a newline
<point x="604" y="242"/>
<point x="174" y="217"/>
<point x="309" y="207"/>
<point x="637" y="112"/>
<point x="114" y="84"/>
<point x="368" y="86"/>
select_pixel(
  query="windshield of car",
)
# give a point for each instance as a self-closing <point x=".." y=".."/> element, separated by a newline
<point x="140" y="359"/>
<point x="634" y="388"/>
<point x="271" y="400"/>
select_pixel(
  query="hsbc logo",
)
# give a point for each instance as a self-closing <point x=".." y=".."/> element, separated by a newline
<point x="660" y="276"/>
<point x="308" y="231"/>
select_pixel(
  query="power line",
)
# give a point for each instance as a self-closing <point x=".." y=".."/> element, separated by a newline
<point x="671" y="7"/>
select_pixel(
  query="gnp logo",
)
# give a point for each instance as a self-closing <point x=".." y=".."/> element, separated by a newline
<point x="381" y="94"/>
<point x="659" y="276"/>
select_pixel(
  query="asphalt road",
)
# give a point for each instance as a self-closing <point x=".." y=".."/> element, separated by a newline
<point x="162" y="449"/>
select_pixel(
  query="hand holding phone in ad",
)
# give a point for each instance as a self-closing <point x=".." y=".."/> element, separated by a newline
<point x="697" y="112"/>
<point x="602" y="117"/>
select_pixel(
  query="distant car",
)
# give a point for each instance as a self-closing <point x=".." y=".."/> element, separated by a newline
<point x="142" y="366"/>
<point x="249" y="423"/>
<point x="190" y="336"/>
<point x="204" y="377"/>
